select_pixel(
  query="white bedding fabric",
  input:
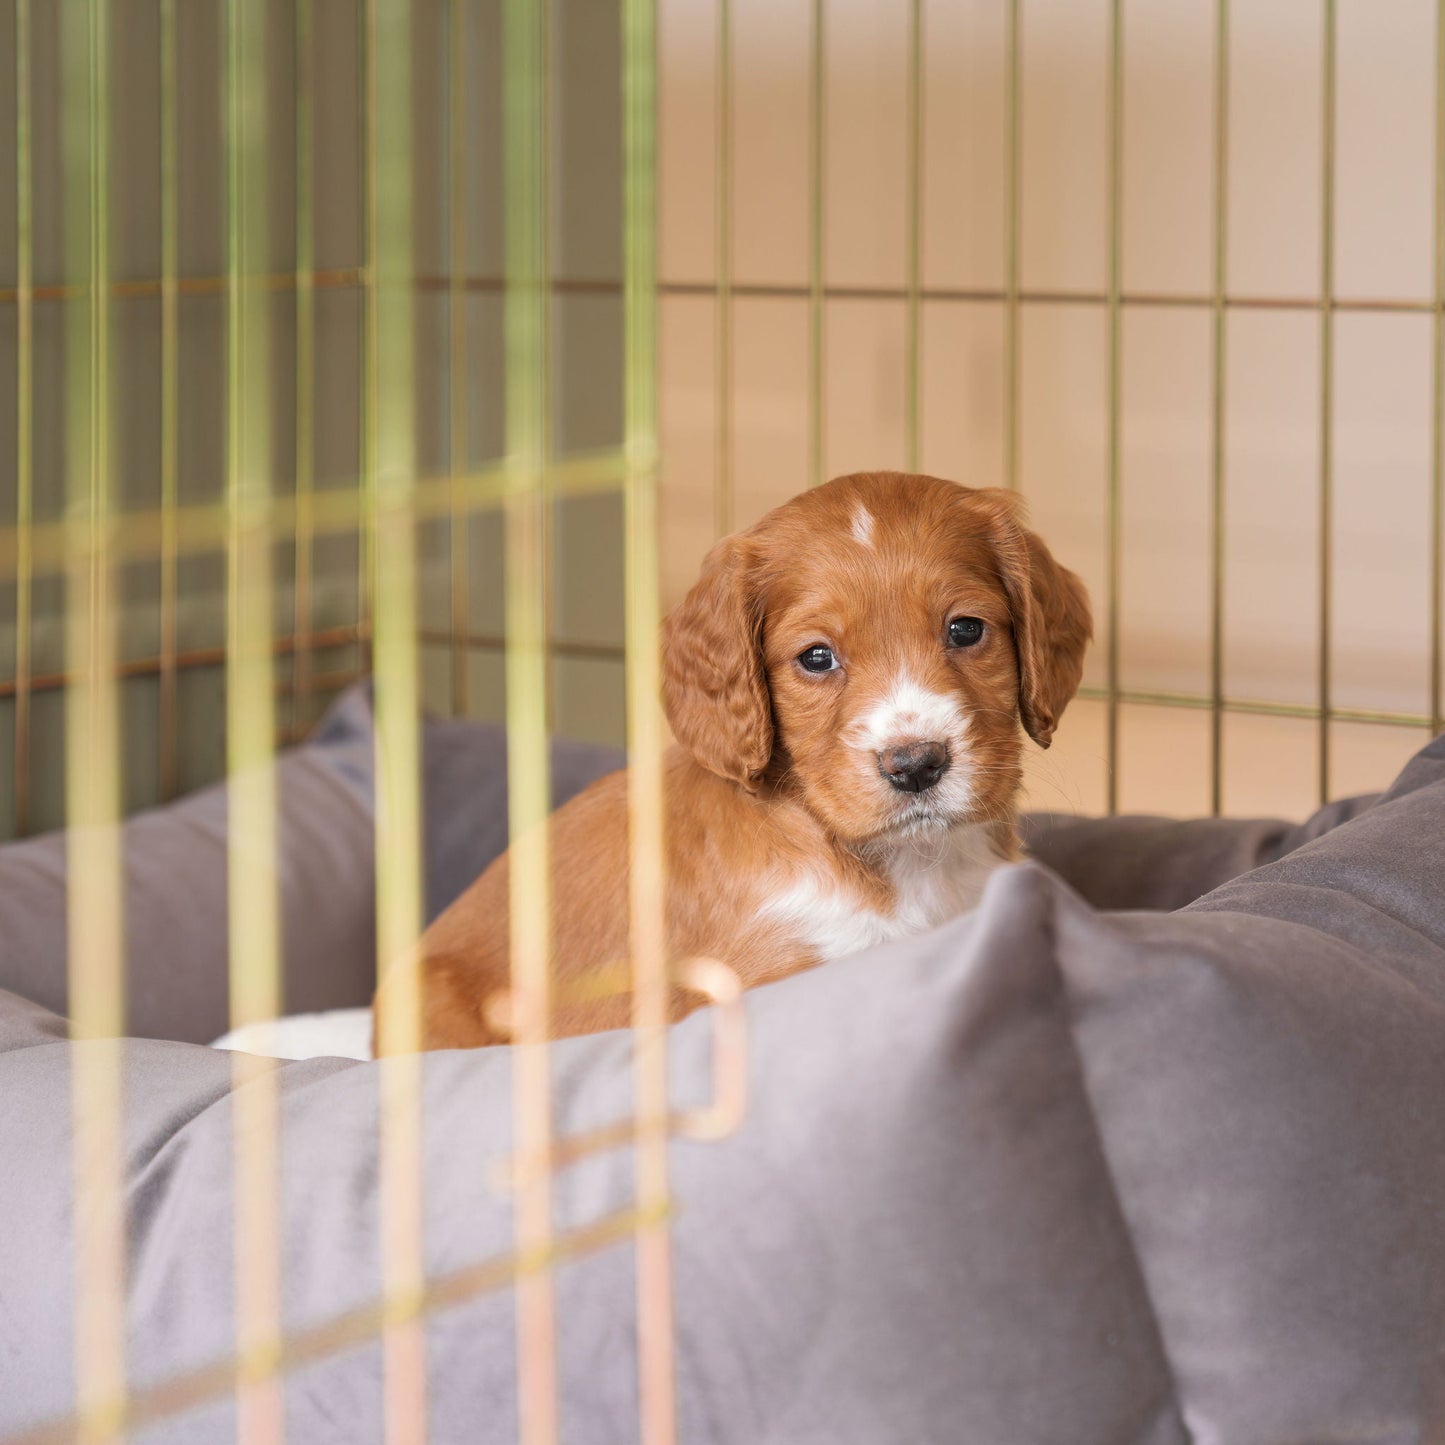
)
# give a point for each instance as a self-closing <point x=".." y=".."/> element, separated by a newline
<point x="343" y="1033"/>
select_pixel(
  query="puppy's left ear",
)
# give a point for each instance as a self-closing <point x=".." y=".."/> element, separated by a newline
<point x="1052" y="620"/>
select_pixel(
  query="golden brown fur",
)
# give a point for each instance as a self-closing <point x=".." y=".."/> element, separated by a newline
<point x="777" y="780"/>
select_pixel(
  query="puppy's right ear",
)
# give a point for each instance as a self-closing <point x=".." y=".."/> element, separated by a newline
<point x="714" y="686"/>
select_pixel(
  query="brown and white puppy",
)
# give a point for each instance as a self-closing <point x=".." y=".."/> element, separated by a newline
<point x="846" y="682"/>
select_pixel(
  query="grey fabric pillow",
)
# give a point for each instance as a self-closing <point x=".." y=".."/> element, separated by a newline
<point x="1166" y="863"/>
<point x="1045" y="1174"/>
<point x="176" y="944"/>
<point x="175" y="873"/>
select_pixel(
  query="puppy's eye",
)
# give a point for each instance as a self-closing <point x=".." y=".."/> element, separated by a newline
<point x="817" y="659"/>
<point x="965" y="631"/>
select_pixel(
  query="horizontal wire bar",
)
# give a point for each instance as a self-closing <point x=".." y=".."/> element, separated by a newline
<point x="496" y="641"/>
<point x="1205" y="301"/>
<point x="334" y="279"/>
<point x="191" y="659"/>
<point x="349" y="278"/>
<point x="151" y="1403"/>
<point x="1259" y="707"/>
<point x="339" y="508"/>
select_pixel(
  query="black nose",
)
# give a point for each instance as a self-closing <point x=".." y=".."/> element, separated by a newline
<point x="914" y="767"/>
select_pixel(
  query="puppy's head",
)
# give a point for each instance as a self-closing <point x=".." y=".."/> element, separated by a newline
<point x="874" y="645"/>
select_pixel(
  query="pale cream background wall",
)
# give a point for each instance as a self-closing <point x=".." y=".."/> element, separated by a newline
<point x="1382" y="373"/>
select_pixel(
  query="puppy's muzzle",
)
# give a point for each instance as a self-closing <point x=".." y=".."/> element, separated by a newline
<point x="914" y="767"/>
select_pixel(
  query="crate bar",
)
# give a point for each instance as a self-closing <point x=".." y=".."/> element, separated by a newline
<point x="306" y="1348"/>
<point x="723" y="268"/>
<point x="1115" y="384"/>
<point x="366" y="279"/>
<point x="202" y="527"/>
<point x="96" y="963"/>
<point x="817" y="374"/>
<point x="1256" y="708"/>
<point x="390" y="450"/>
<point x="1012" y="232"/>
<point x="525" y="54"/>
<point x="252" y="906"/>
<point x="457" y="370"/>
<point x="1437" y="424"/>
<point x="305" y="343"/>
<point x="24" y="417"/>
<point x="913" y="402"/>
<point x="200" y="657"/>
<point x="1327" y="386"/>
<point x="655" y="1343"/>
<point x="1217" y="384"/>
<point x="352" y="278"/>
<point x="168" y="720"/>
<point x="1202" y="300"/>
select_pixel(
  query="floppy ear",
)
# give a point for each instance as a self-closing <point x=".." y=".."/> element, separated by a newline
<point x="714" y="686"/>
<point x="1052" y="620"/>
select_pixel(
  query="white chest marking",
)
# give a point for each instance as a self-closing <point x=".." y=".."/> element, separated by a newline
<point x="934" y="879"/>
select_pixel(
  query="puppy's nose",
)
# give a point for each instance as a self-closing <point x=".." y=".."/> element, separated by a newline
<point x="914" y="767"/>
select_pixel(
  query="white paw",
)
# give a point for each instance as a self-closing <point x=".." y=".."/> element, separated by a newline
<point x="343" y="1033"/>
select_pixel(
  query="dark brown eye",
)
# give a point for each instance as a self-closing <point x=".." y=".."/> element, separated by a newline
<point x="817" y="659"/>
<point x="965" y="631"/>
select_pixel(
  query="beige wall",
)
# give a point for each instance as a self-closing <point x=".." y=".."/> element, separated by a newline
<point x="1382" y="369"/>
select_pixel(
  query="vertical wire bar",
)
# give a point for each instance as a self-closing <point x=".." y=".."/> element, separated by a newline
<point x="303" y="662"/>
<point x="252" y="907"/>
<point x="1012" y="231"/>
<point x="913" y="402"/>
<point x="1437" y="425"/>
<point x="366" y="225"/>
<point x="457" y="371"/>
<point x="817" y="379"/>
<point x="723" y="266"/>
<point x="167" y="741"/>
<point x="655" y="1343"/>
<point x="1219" y="318"/>
<point x="1116" y="247"/>
<point x="391" y="532"/>
<point x="1327" y="388"/>
<point x="96" y="963"/>
<point x="525" y="324"/>
<point x="24" y="416"/>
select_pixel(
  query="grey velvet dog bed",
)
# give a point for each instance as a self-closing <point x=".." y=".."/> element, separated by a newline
<point x="1050" y="1173"/>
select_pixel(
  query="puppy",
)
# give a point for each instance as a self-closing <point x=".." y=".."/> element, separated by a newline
<point x="846" y="682"/>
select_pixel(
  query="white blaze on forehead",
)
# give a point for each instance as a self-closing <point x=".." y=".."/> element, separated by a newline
<point x="862" y="525"/>
<point x="908" y="711"/>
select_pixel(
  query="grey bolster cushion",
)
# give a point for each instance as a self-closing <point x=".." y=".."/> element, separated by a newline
<point x="175" y="873"/>
<point x="1047" y="1174"/>
<point x="175" y="869"/>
